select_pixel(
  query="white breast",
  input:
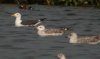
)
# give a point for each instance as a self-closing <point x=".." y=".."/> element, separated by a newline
<point x="18" y="23"/>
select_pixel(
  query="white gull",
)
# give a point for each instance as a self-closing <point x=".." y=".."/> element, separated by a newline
<point x="19" y="22"/>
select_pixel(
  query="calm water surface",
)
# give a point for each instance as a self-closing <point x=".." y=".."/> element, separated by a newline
<point x="24" y="43"/>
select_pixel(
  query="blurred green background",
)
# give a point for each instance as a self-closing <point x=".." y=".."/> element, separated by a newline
<point x="92" y="3"/>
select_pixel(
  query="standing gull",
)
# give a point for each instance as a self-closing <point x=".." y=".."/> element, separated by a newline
<point x="42" y="31"/>
<point x="74" y="38"/>
<point x="19" y="22"/>
<point x="61" y="56"/>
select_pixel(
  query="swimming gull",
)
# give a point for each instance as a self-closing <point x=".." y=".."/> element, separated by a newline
<point x="19" y="22"/>
<point x="25" y="7"/>
<point x="42" y="31"/>
<point x="74" y="38"/>
<point x="61" y="56"/>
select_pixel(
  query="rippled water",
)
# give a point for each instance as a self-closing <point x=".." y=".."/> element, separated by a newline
<point x="24" y="43"/>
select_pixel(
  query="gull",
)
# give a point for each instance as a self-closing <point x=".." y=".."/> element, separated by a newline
<point x="19" y="22"/>
<point x="43" y="31"/>
<point x="61" y="56"/>
<point x="74" y="38"/>
<point x="25" y="7"/>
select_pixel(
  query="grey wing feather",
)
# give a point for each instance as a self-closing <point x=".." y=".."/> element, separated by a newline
<point x="29" y="22"/>
<point x="54" y="30"/>
<point x="89" y="39"/>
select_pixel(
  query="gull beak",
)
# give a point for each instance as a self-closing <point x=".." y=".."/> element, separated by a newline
<point x="13" y="14"/>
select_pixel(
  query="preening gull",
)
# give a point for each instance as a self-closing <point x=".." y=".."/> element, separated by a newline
<point x="42" y="31"/>
<point x="61" y="56"/>
<point x="74" y="38"/>
<point x="19" y="22"/>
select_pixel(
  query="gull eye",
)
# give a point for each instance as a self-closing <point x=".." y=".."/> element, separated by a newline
<point x="17" y="14"/>
<point x="69" y="34"/>
<point x="40" y="27"/>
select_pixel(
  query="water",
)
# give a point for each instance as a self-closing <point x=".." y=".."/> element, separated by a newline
<point x="24" y="43"/>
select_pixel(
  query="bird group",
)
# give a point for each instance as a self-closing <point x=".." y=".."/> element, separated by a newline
<point x="43" y="31"/>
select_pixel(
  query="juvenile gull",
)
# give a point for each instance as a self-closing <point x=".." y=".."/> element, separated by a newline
<point x="19" y="22"/>
<point x="61" y="56"/>
<point x="74" y="38"/>
<point x="42" y="31"/>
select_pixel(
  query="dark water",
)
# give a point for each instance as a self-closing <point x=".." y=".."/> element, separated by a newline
<point x="24" y="43"/>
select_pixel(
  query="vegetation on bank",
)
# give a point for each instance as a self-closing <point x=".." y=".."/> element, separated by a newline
<point x="94" y="3"/>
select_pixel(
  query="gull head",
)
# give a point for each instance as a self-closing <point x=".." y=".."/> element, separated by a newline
<point x="72" y="35"/>
<point x="61" y="56"/>
<point x="41" y="27"/>
<point x="16" y="14"/>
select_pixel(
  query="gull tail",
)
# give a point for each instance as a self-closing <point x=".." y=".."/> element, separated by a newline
<point x="42" y="19"/>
